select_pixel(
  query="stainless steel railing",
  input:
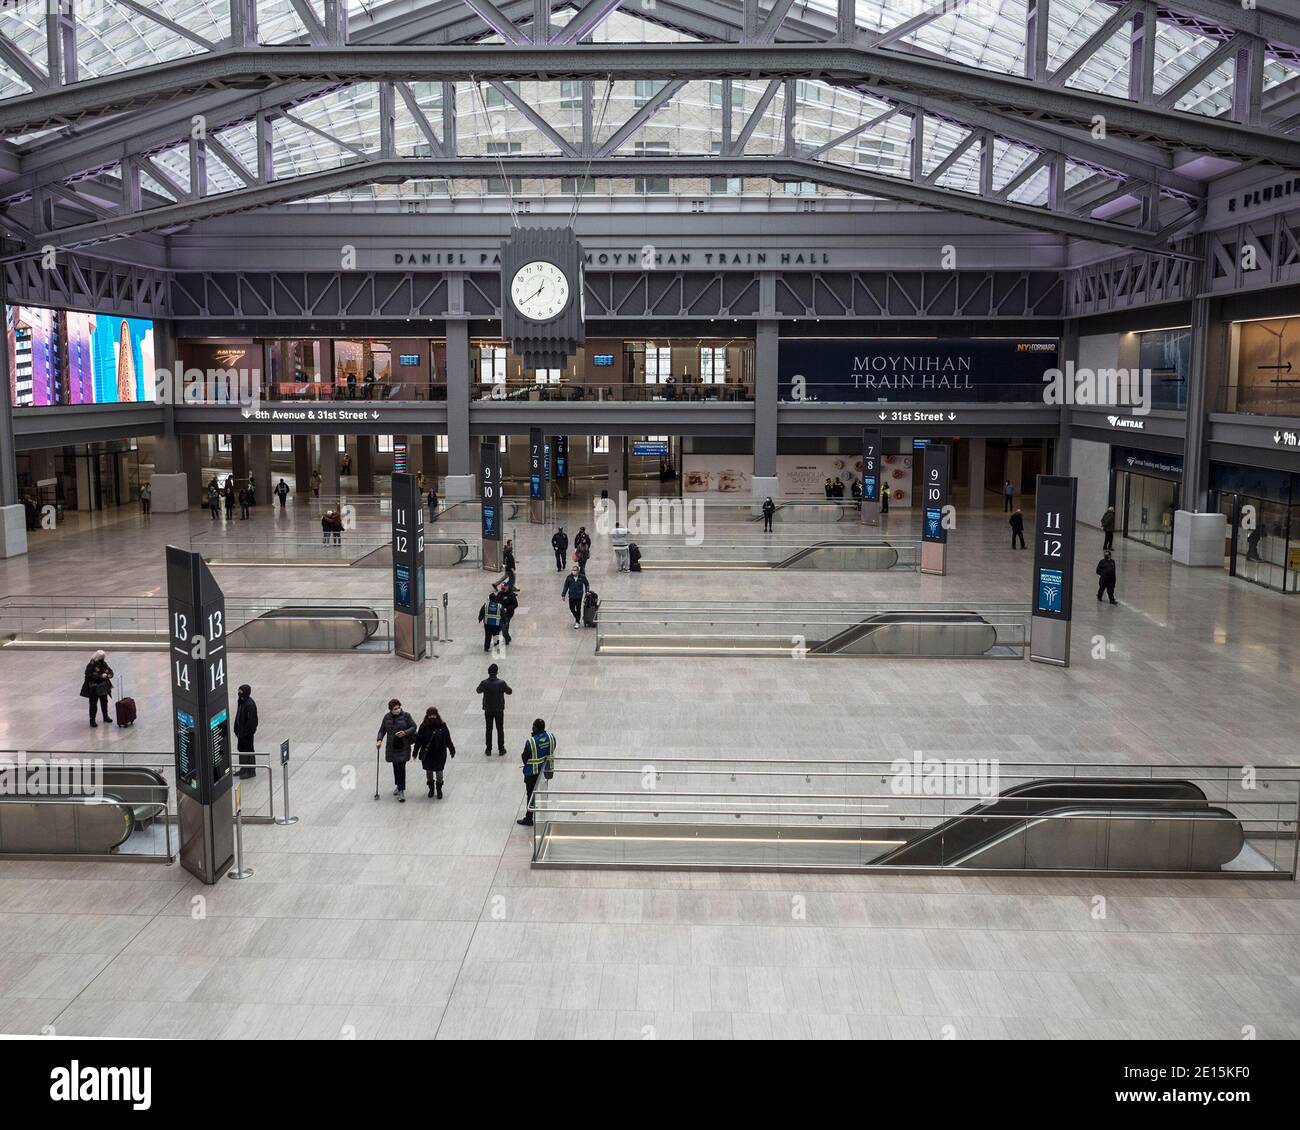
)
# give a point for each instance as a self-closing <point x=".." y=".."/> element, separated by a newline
<point x="813" y="628"/>
<point x="825" y="813"/>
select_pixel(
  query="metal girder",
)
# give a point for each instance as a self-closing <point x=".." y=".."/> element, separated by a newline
<point x="1132" y="280"/>
<point x="189" y="211"/>
<point x="80" y="282"/>
<point x="1276" y="23"/>
<point x="881" y="70"/>
<point x="658" y="294"/>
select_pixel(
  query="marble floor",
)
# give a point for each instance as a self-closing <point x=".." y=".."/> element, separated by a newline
<point x="424" y="919"/>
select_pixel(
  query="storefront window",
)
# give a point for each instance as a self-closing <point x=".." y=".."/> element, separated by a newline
<point x="1263" y="515"/>
<point x="1264" y="371"/>
<point x="1146" y="486"/>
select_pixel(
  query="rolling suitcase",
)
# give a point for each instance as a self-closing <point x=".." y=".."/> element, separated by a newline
<point x="590" y="603"/>
<point x="125" y="708"/>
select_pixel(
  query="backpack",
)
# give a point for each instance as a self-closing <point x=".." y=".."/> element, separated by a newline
<point x="492" y="614"/>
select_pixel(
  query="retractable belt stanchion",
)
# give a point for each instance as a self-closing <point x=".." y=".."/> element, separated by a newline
<point x="239" y="871"/>
<point x="285" y="819"/>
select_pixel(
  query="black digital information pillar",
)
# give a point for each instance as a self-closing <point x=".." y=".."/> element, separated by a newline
<point x="561" y="474"/>
<point x="536" y="477"/>
<point x="1049" y="626"/>
<point x="871" y="476"/>
<point x="408" y="568"/>
<point x="196" y="618"/>
<point x="934" y="494"/>
<point x="492" y="495"/>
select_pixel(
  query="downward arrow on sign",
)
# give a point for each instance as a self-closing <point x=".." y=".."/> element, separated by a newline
<point x="882" y="415"/>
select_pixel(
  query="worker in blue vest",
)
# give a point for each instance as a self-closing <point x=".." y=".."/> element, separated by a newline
<point x="491" y="616"/>
<point x="539" y="761"/>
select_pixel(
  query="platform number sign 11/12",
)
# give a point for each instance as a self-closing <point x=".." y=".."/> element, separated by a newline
<point x="197" y="630"/>
<point x="1054" y="546"/>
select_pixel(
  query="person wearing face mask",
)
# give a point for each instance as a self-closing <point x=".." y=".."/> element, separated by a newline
<point x="97" y="685"/>
<point x="245" y="729"/>
<point x="396" y="729"/>
<point x="575" y="589"/>
<point x="769" y="508"/>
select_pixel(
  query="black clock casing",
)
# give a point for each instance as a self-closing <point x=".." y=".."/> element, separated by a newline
<point x="543" y="345"/>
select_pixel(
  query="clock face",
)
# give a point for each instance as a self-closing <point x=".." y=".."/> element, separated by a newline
<point x="539" y="291"/>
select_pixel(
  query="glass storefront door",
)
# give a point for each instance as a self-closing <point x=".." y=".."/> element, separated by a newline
<point x="1145" y="508"/>
<point x="1261" y="548"/>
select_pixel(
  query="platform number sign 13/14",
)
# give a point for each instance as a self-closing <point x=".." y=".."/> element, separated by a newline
<point x="1054" y="546"/>
<point x="196" y="618"/>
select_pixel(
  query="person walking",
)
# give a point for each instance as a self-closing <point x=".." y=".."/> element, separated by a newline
<point x="433" y="501"/>
<point x="560" y="543"/>
<point x="1106" y="576"/>
<point x="146" y="499"/>
<point x="508" y="560"/>
<point x="509" y="601"/>
<point x="245" y="730"/>
<point x="769" y="508"/>
<point x="326" y="527"/>
<point x="619" y="538"/>
<point x="1252" y="543"/>
<point x="315" y="484"/>
<point x="1008" y="492"/>
<point x="243" y="504"/>
<point x="575" y="591"/>
<point x="1017" y="524"/>
<point x="582" y="540"/>
<point x="539" y="761"/>
<point x="494" y="693"/>
<point x="884" y="500"/>
<point x="282" y="493"/>
<point x="396" y="731"/>
<point x="214" y="502"/>
<point x="1108" y="528"/>
<point x="230" y="501"/>
<point x="97" y="684"/>
<point x="432" y="745"/>
<point x="490" y="615"/>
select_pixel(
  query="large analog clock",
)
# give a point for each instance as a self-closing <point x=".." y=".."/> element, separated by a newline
<point x="541" y="295"/>
<point x="539" y="290"/>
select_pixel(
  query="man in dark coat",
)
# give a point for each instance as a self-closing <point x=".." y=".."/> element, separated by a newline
<point x="398" y="728"/>
<point x="245" y="729"/>
<point x="1106" y="577"/>
<point x="560" y="543"/>
<point x="494" y="693"/>
<point x="1017" y="524"/>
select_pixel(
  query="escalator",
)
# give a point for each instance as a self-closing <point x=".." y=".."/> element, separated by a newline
<point x="439" y="553"/>
<point x="922" y="632"/>
<point x="129" y="800"/>
<point x="1074" y="824"/>
<point x="307" y="628"/>
<point x="877" y="556"/>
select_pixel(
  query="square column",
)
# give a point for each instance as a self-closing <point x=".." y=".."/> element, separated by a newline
<point x="239" y="460"/>
<point x="616" y="476"/>
<point x="302" y="465"/>
<point x="365" y="464"/>
<point x="329" y="466"/>
<point x="975" y="467"/>
<point x="460" y="457"/>
<point x="259" y="459"/>
<point x="192" y="465"/>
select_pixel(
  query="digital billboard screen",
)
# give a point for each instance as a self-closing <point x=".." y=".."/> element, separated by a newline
<point x="64" y="357"/>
